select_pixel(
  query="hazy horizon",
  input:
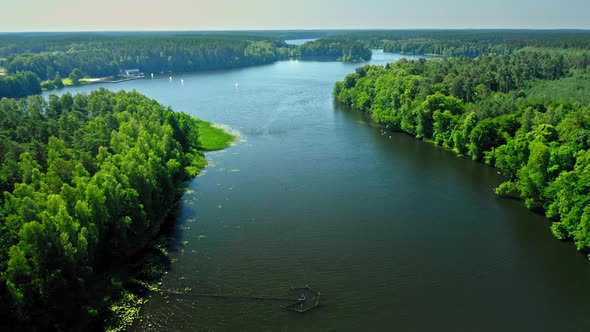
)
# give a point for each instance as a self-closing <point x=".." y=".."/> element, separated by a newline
<point x="234" y="15"/>
<point x="292" y="30"/>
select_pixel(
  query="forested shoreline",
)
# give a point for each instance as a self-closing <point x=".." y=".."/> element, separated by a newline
<point x="527" y="113"/>
<point x="88" y="180"/>
<point x="335" y="50"/>
<point x="467" y="42"/>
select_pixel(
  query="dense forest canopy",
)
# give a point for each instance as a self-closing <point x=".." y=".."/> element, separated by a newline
<point x="36" y="42"/>
<point x="512" y="38"/>
<point x="526" y="113"/>
<point x="21" y="84"/>
<point x="150" y="54"/>
<point x="342" y="50"/>
<point x="87" y="181"/>
<point x="31" y="42"/>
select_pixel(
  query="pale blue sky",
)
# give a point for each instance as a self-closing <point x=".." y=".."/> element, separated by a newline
<point x="66" y="15"/>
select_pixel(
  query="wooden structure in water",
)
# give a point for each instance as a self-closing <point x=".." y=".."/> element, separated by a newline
<point x="308" y="299"/>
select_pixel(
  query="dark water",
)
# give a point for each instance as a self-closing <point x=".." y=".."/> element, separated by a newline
<point x="396" y="234"/>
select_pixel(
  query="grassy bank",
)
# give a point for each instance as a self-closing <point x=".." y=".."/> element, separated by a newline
<point x="213" y="137"/>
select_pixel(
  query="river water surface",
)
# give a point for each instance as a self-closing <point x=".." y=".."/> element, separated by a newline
<point x="396" y="234"/>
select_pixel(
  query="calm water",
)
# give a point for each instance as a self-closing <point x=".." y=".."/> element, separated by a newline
<point x="396" y="234"/>
<point x="299" y="41"/>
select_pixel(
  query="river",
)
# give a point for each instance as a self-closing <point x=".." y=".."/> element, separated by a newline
<point x="396" y="234"/>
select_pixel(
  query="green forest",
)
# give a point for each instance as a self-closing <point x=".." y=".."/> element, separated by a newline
<point x="526" y="113"/>
<point x="21" y="84"/>
<point x="88" y="180"/>
<point x="466" y="42"/>
<point x="335" y="50"/>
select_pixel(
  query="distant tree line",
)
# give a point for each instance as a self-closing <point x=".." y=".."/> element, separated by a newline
<point x="528" y="114"/>
<point x="80" y="56"/>
<point x="160" y="55"/>
<point x="472" y="49"/>
<point x="87" y="180"/>
<point x="454" y="48"/>
<point x="498" y="41"/>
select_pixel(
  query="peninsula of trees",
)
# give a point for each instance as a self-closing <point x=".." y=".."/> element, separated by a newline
<point x="340" y="50"/>
<point x="87" y="181"/>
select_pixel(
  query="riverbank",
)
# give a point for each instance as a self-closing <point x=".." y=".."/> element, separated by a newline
<point x="542" y="157"/>
<point x="145" y="273"/>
